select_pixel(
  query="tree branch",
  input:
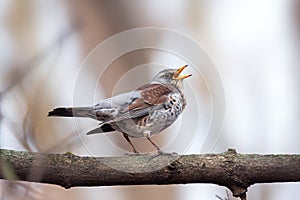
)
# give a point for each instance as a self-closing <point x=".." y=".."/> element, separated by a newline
<point x="230" y="169"/>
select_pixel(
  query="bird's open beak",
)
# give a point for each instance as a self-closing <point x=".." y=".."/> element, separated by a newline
<point x="177" y="73"/>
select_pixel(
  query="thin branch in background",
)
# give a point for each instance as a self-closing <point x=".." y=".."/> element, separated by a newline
<point x="70" y="140"/>
<point x="15" y="189"/>
<point x="28" y="132"/>
<point x="37" y="59"/>
<point x="19" y="135"/>
<point x="28" y="139"/>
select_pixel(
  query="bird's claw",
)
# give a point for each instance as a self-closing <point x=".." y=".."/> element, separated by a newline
<point x="136" y="154"/>
<point x="160" y="153"/>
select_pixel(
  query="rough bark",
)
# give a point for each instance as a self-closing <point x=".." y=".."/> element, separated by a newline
<point x="230" y="169"/>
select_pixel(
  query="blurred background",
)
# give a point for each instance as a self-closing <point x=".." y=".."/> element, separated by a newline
<point x="254" y="46"/>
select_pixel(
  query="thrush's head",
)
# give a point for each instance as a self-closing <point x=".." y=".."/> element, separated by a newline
<point x="171" y="76"/>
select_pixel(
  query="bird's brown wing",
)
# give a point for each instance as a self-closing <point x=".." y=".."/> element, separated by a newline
<point x="152" y="96"/>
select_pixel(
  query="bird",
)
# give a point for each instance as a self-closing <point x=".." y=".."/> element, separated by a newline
<point x="143" y="112"/>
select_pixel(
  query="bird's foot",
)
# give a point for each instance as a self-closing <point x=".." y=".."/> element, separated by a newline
<point x="136" y="154"/>
<point x="160" y="153"/>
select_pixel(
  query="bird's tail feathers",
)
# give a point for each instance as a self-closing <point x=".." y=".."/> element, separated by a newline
<point x="73" y="112"/>
<point x="102" y="129"/>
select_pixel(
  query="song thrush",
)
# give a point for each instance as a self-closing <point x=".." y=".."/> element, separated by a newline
<point x="146" y="111"/>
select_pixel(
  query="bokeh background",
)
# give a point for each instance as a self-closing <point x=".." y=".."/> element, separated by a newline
<point x="254" y="46"/>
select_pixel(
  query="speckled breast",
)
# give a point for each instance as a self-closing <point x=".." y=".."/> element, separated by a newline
<point x="159" y="118"/>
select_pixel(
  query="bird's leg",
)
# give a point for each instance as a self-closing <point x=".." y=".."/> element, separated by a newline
<point x="129" y="141"/>
<point x="158" y="149"/>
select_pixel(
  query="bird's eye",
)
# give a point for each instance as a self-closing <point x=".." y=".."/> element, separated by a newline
<point x="167" y="75"/>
